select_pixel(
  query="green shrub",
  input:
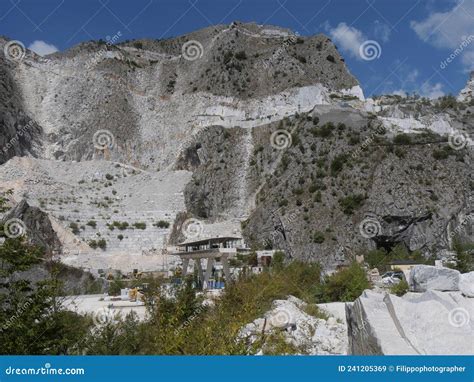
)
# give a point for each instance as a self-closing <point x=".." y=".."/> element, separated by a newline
<point x="92" y="223"/>
<point x="318" y="237"/>
<point x="351" y="203"/>
<point x="138" y="44"/>
<point x="278" y="259"/>
<point x="402" y="139"/>
<point x="346" y="284"/>
<point x="324" y="131"/>
<point x="399" y="289"/>
<point x="162" y="224"/>
<point x="74" y="227"/>
<point x="447" y="102"/>
<point x="377" y="258"/>
<point x="443" y="153"/>
<point x="140" y="225"/>
<point x="241" y="55"/>
<point x="120" y="225"/>
<point x="338" y="163"/>
<point x="317" y="197"/>
<point x="102" y="244"/>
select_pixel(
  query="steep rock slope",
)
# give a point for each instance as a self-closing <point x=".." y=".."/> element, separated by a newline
<point x="242" y="126"/>
<point x="20" y="134"/>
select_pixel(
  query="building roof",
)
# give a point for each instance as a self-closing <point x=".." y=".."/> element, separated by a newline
<point x="218" y="239"/>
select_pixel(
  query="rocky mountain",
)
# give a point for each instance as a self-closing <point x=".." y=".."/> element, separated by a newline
<point x="248" y="129"/>
<point x="466" y="94"/>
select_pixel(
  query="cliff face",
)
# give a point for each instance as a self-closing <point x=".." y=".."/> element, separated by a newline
<point x="150" y="95"/>
<point x="20" y="134"/>
<point x="466" y="94"/>
<point x="247" y="128"/>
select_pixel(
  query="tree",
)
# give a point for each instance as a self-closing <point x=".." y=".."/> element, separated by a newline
<point x="278" y="259"/>
<point x="464" y="258"/>
<point x="346" y="284"/>
<point x="32" y="320"/>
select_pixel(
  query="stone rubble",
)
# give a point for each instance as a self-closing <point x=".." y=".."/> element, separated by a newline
<point x="315" y="336"/>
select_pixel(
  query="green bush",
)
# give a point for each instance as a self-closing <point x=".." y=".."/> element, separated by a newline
<point x="74" y="227"/>
<point x="140" y="225"/>
<point x="318" y="237"/>
<point x="324" y="131"/>
<point x="101" y="243"/>
<point x="377" y="258"/>
<point x="162" y="224"/>
<point x="399" y="289"/>
<point x="278" y="259"/>
<point x="402" y="139"/>
<point x="351" y="203"/>
<point x="338" y="163"/>
<point x="241" y="55"/>
<point x="120" y="225"/>
<point x="346" y="284"/>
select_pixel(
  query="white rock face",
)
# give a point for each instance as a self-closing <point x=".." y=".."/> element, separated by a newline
<point x="427" y="277"/>
<point x="439" y="124"/>
<point x="312" y="335"/>
<point x="466" y="284"/>
<point x="131" y="195"/>
<point x="436" y="323"/>
<point x="467" y="93"/>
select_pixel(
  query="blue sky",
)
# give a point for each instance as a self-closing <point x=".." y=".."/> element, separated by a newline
<point x="415" y="36"/>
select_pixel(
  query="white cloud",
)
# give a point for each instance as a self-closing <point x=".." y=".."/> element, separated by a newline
<point x="348" y="38"/>
<point x="400" y="92"/>
<point x="412" y="76"/>
<point x="432" y="91"/>
<point x="42" y="48"/>
<point x="381" y="31"/>
<point x="449" y="29"/>
<point x="468" y="60"/>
